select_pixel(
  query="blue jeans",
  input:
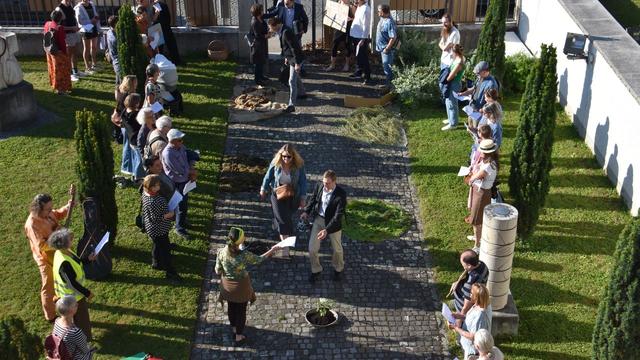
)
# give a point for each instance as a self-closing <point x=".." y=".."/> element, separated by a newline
<point x="131" y="158"/>
<point x="387" y="61"/>
<point x="295" y="85"/>
<point x="451" y="103"/>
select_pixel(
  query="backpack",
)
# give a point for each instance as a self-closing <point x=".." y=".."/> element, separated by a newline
<point x="49" y="42"/>
<point x="147" y="148"/>
<point x="55" y="348"/>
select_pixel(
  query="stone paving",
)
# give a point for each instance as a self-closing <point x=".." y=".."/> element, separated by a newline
<point x="387" y="300"/>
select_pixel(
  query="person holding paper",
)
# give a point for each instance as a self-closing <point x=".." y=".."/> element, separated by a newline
<point x="287" y="182"/>
<point x="360" y="34"/>
<point x="454" y="81"/>
<point x="152" y="89"/>
<point x="478" y="317"/>
<point x="157" y="223"/>
<point x="490" y="116"/>
<point x="180" y="170"/>
<point x="475" y="271"/>
<point x="154" y="167"/>
<point x="43" y="220"/>
<point x="162" y="16"/>
<point x="89" y="21"/>
<point x="68" y="276"/>
<point x="327" y="206"/>
<point x="340" y="37"/>
<point x="480" y="184"/>
<point x="235" y="284"/>
<point x="484" y="82"/>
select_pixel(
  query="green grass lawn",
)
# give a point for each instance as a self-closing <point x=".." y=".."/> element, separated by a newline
<point x="135" y="309"/>
<point x="374" y="220"/>
<point x="560" y="274"/>
<point x="627" y="12"/>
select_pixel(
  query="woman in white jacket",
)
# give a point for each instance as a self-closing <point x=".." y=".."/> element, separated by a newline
<point x="89" y="22"/>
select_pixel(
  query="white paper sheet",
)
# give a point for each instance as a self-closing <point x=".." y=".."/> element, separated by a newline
<point x="446" y="312"/>
<point x="175" y="200"/>
<point x="156" y="107"/>
<point x="86" y="28"/>
<point x="157" y="7"/>
<point x="464" y="171"/>
<point x="472" y="113"/>
<point x="155" y="31"/>
<point x="288" y="242"/>
<point x="188" y="187"/>
<point x="461" y="98"/>
<point x="102" y="243"/>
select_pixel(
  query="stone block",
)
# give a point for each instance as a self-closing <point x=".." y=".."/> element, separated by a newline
<point x="18" y="106"/>
<point x="505" y="321"/>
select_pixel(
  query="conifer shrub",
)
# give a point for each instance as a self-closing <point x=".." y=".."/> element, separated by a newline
<point x="131" y="54"/>
<point x="17" y="343"/>
<point x="531" y="156"/>
<point x="95" y="165"/>
<point x="491" y="41"/>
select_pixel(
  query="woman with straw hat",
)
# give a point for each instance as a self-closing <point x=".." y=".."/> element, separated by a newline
<point x="235" y="285"/>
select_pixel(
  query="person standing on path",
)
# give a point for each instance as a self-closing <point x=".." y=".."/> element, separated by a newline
<point x="260" y="47"/>
<point x="293" y="57"/>
<point x="43" y="221"/>
<point x="386" y="38"/>
<point x="287" y="182"/>
<point x="360" y="34"/>
<point x="340" y="37"/>
<point x="327" y="206"/>
<point x="235" y="285"/>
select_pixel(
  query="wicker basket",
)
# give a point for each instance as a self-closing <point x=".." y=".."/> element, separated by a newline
<point x="217" y="50"/>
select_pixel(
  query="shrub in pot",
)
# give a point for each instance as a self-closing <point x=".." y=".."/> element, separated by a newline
<point x="322" y="315"/>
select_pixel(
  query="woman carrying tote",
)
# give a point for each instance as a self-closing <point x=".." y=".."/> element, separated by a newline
<point x="287" y="182"/>
<point x="58" y="64"/>
<point x="235" y="285"/>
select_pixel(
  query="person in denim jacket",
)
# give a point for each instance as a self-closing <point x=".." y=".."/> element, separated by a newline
<point x="286" y="168"/>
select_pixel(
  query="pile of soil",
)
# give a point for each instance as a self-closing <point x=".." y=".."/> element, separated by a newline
<point x="242" y="173"/>
<point x="315" y="318"/>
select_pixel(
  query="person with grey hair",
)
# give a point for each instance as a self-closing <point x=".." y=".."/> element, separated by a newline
<point x="483" y="342"/>
<point x="157" y="139"/>
<point x="147" y="122"/>
<point x="65" y="328"/>
<point x="68" y="276"/>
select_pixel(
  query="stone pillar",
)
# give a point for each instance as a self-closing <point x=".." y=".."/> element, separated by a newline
<point x="497" y="248"/>
<point x="18" y="106"/>
<point x="10" y="71"/>
<point x="244" y="25"/>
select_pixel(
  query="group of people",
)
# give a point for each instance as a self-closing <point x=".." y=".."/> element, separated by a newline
<point x="71" y="23"/>
<point x="289" y="21"/>
<point x="471" y="297"/>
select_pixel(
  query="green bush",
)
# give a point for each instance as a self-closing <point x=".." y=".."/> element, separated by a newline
<point x="417" y="85"/>
<point x="373" y="124"/>
<point x="516" y="70"/>
<point x="416" y="50"/>
<point x="16" y="342"/>
<point x="95" y="165"/>
<point x="131" y="54"/>
<point x="491" y="41"/>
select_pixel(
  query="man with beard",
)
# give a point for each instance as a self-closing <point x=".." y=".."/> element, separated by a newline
<point x="449" y="36"/>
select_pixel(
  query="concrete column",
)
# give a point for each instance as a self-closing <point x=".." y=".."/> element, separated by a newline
<point x="375" y="19"/>
<point x="244" y="24"/>
<point x="497" y="248"/>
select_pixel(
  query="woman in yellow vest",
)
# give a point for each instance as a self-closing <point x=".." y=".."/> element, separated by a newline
<point x="68" y="277"/>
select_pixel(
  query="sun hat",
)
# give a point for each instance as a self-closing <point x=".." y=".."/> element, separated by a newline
<point x="487" y="146"/>
<point x="236" y="236"/>
<point x="175" y="134"/>
<point x="481" y="66"/>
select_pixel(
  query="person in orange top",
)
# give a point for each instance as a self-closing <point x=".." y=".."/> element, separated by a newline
<point x="42" y="221"/>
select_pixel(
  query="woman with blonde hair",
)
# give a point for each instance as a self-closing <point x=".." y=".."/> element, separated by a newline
<point x="287" y="182"/>
<point x="477" y="318"/>
<point x="235" y="284"/>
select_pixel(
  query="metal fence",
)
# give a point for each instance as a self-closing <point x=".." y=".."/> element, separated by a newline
<point x="416" y="12"/>
<point x="29" y="13"/>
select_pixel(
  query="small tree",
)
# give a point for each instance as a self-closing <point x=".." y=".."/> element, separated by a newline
<point x="17" y="343"/>
<point x="617" y="331"/>
<point x="131" y="53"/>
<point x="531" y="156"/>
<point x="95" y="165"/>
<point x="491" y="41"/>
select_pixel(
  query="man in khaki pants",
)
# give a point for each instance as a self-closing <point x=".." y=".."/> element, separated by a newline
<point x="327" y="206"/>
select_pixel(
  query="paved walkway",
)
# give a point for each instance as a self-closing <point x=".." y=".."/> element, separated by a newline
<point x="387" y="298"/>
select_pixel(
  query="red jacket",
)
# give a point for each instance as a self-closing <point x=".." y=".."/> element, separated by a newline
<point x="59" y="35"/>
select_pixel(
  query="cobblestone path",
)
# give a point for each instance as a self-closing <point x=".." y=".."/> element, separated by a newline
<point x="387" y="300"/>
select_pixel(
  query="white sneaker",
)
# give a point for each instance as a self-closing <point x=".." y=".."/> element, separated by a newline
<point x="445" y="121"/>
<point x="448" y="127"/>
<point x="471" y="238"/>
<point x="476" y="250"/>
<point x="74" y="78"/>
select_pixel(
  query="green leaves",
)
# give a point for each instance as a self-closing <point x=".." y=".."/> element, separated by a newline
<point x="374" y="220"/>
<point x="131" y="54"/>
<point x="491" y="41"/>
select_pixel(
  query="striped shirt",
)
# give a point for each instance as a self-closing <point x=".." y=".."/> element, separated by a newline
<point x="463" y="290"/>
<point x="74" y="339"/>
<point x="153" y="210"/>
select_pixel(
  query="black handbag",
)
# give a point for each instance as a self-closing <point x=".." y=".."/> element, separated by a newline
<point x="140" y="220"/>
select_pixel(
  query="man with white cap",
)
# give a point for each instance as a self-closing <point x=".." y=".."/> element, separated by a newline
<point x="178" y="168"/>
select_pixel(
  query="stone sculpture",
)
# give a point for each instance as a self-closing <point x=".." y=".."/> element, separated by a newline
<point x="10" y="71"/>
<point x="18" y="107"/>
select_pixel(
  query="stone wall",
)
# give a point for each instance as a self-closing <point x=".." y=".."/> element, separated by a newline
<point x="600" y="94"/>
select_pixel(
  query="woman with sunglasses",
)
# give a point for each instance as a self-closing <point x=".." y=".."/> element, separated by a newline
<point x="287" y="182"/>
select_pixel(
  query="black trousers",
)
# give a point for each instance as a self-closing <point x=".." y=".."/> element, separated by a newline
<point x="259" y="72"/>
<point x="338" y="38"/>
<point x="283" y="212"/>
<point x="237" y="313"/>
<point x="161" y="254"/>
<point x="362" y="58"/>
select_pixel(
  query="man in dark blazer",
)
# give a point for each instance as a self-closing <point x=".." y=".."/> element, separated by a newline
<point x="290" y="14"/>
<point x="327" y="205"/>
<point x="293" y="58"/>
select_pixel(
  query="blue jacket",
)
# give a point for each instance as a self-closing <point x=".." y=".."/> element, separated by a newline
<point x="298" y="180"/>
<point x="299" y="15"/>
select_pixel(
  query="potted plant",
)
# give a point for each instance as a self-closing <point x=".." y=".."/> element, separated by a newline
<point x="322" y="315"/>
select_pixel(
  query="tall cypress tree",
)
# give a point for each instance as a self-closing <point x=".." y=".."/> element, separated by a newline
<point x="95" y="165"/>
<point x="617" y="332"/>
<point x="131" y="53"/>
<point x="531" y="156"/>
<point x="491" y="41"/>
